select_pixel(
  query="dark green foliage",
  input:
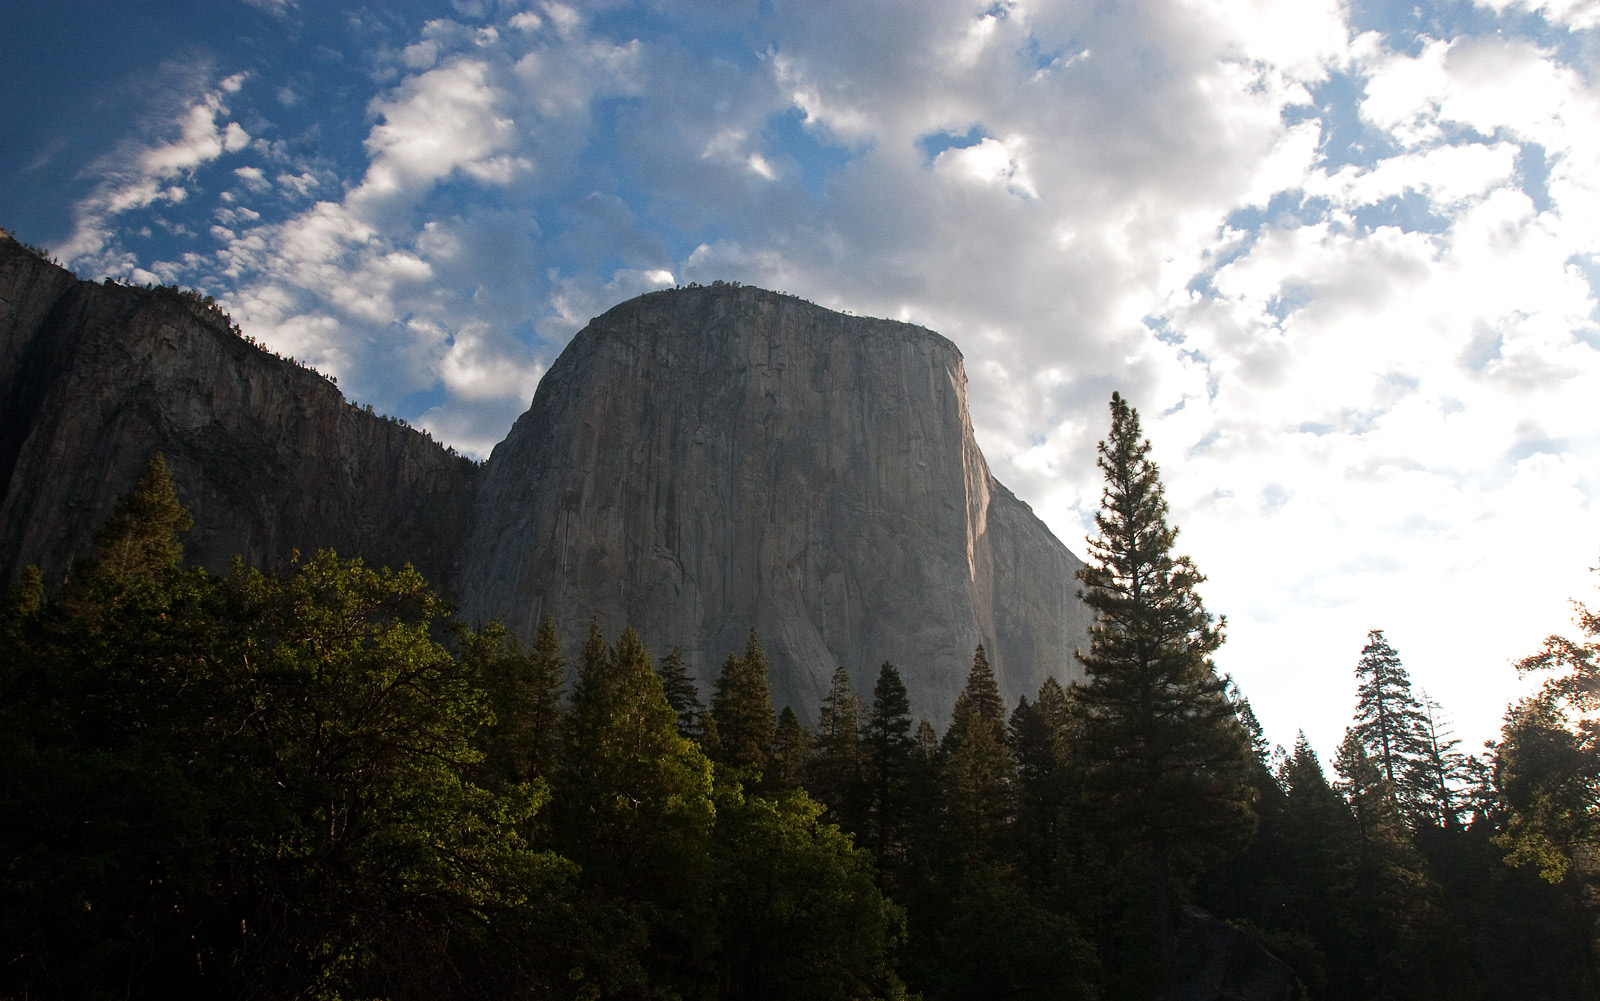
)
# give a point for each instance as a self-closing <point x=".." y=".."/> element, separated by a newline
<point x="837" y="773"/>
<point x="634" y="800"/>
<point x="890" y="769"/>
<point x="1039" y="741"/>
<point x="1400" y="929"/>
<point x="998" y="943"/>
<point x="137" y="546"/>
<point x="253" y="786"/>
<point x="791" y="749"/>
<point x="978" y="771"/>
<point x="683" y="695"/>
<point x="525" y="696"/>
<point x="800" y="915"/>
<point x="634" y="809"/>
<point x="741" y="708"/>
<point x="1166" y="760"/>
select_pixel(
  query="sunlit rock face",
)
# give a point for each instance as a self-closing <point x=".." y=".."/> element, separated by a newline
<point x="95" y="379"/>
<point x="702" y="461"/>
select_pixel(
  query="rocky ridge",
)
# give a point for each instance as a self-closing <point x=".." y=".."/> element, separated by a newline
<point x="96" y="378"/>
<point x="697" y="462"/>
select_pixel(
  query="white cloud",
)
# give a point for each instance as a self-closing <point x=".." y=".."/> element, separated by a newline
<point x="252" y="178"/>
<point x="989" y="162"/>
<point x="1576" y="15"/>
<point x="1353" y="310"/>
<point x="139" y="174"/>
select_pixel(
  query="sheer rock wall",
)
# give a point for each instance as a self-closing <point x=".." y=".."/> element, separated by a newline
<point x="702" y="461"/>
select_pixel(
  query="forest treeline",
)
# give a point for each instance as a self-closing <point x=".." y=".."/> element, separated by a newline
<point x="315" y="784"/>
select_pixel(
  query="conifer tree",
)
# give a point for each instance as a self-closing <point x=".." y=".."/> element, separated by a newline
<point x="836" y="767"/>
<point x="741" y="707"/>
<point x="1318" y="832"/>
<point x="548" y="677"/>
<point x="1443" y="771"/>
<point x="634" y="799"/>
<point x="1038" y="742"/>
<point x="683" y="695"/>
<point x="790" y="746"/>
<point x="525" y="691"/>
<point x="141" y="536"/>
<point x="1390" y="722"/>
<point x="1404" y="947"/>
<point x="890" y="751"/>
<point x="978" y="771"/>
<point x="1167" y="760"/>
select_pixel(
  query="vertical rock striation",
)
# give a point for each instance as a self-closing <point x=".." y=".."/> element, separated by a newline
<point x="94" y="379"/>
<point x="703" y="461"/>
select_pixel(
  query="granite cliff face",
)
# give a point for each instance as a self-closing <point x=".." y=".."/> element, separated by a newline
<point x="702" y="461"/>
<point x="94" y="379"/>
<point x="696" y="463"/>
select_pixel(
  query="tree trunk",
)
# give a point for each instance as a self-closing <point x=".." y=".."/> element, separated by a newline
<point x="1166" y="942"/>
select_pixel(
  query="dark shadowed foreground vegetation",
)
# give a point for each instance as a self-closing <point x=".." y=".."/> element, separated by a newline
<point x="314" y="784"/>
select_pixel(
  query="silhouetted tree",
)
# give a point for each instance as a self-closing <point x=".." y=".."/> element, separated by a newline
<point x="1166" y="757"/>
<point x="1390" y="722"/>
<point x="890" y="751"/>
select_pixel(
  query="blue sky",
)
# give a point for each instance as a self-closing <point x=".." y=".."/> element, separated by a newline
<point x="1343" y="256"/>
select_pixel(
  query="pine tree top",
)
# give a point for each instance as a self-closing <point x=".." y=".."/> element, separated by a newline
<point x="982" y="691"/>
<point x="141" y="536"/>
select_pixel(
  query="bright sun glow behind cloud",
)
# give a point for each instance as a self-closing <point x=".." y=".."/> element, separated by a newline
<point x="1346" y="270"/>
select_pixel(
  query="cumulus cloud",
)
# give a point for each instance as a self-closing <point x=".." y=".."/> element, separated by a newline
<point x="1344" y="274"/>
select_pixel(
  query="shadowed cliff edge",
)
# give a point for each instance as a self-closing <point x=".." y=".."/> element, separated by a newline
<point x="267" y="454"/>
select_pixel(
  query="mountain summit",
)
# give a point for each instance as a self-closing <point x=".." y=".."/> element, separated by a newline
<point x="697" y="463"/>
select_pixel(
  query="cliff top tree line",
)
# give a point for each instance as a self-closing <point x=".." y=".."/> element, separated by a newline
<point x="316" y="784"/>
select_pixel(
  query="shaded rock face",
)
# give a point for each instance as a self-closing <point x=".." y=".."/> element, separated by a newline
<point x="703" y="461"/>
<point x="94" y="379"/>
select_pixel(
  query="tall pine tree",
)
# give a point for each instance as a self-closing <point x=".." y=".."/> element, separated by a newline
<point x="979" y="773"/>
<point x="1390" y="722"/>
<point x="741" y="708"/>
<point x="683" y="695"/>
<point x="836" y="768"/>
<point x="1166" y="756"/>
<point x="890" y="753"/>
